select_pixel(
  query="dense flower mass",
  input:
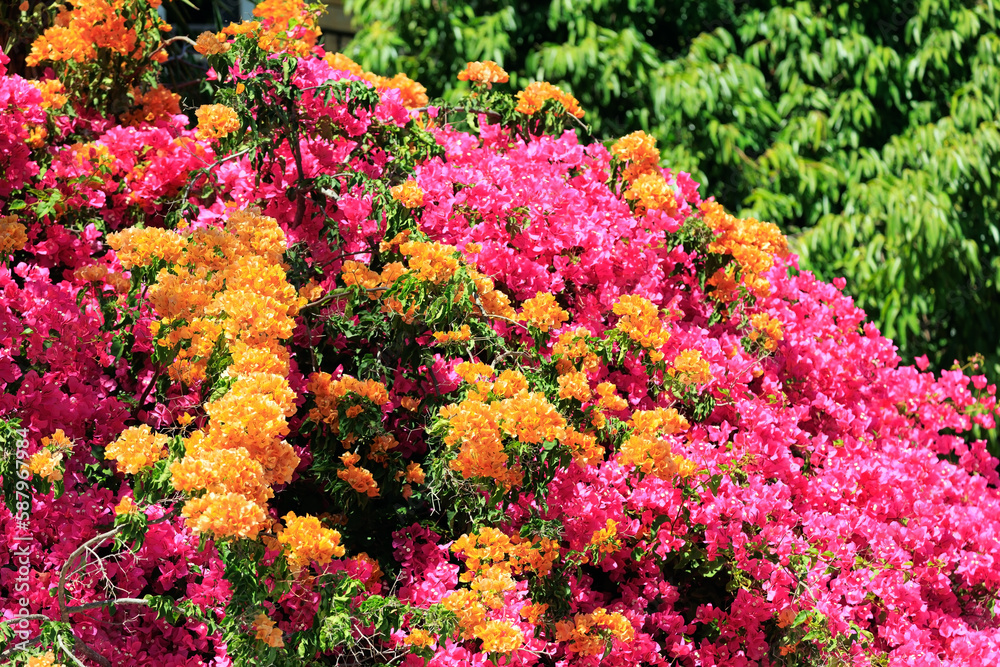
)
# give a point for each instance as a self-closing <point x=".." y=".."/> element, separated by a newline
<point x="400" y="385"/>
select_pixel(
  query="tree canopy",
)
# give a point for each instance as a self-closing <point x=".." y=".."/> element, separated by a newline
<point x="867" y="131"/>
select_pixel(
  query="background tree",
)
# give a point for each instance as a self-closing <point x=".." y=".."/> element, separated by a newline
<point x="867" y="131"/>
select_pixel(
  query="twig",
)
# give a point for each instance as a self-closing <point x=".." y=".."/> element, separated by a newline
<point x="178" y="38"/>
<point x="106" y="603"/>
<point x="63" y="613"/>
<point x="145" y="392"/>
<point x="26" y="617"/>
<point x="66" y="650"/>
<point x="208" y="170"/>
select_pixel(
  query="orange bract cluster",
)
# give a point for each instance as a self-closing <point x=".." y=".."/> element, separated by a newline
<point x="414" y="94"/>
<point x="489" y="300"/>
<point x="225" y="288"/>
<point x="137" y="448"/>
<point x="47" y="659"/>
<point x="542" y="312"/>
<point x="606" y="539"/>
<point x="690" y="368"/>
<point x="768" y="328"/>
<point x="609" y="397"/>
<point x="307" y="539"/>
<point x="210" y="44"/>
<point x="287" y="26"/>
<point x="484" y="73"/>
<point x="329" y="393"/>
<point x="753" y="244"/>
<point x="12" y="235"/>
<point x="408" y="194"/>
<point x="78" y="33"/>
<point x="153" y="105"/>
<point x="431" y="261"/>
<point x="646" y="448"/>
<point x="504" y="408"/>
<point x="463" y="334"/>
<point x="492" y="558"/>
<point x="647" y="188"/>
<point x="640" y="319"/>
<point x="573" y="348"/>
<point x="359" y="478"/>
<point x="639" y="151"/>
<point x="587" y="634"/>
<point x="650" y="191"/>
<point x="265" y="631"/>
<point x="574" y="385"/>
<point x="47" y="462"/>
<point x="419" y="638"/>
<point x="531" y="99"/>
<point x="53" y="93"/>
<point x="126" y="506"/>
<point x="141" y="246"/>
<point x="216" y="121"/>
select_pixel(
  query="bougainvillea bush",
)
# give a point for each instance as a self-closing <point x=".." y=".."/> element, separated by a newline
<point x="324" y="373"/>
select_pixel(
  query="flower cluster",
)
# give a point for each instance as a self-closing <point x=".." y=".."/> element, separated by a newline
<point x="640" y="320"/>
<point x="570" y="440"/>
<point x="92" y="25"/>
<point x="484" y="73"/>
<point x="216" y="121"/>
<point x="531" y="100"/>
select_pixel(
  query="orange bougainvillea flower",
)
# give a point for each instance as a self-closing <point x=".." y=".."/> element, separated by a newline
<point x="690" y="368"/>
<point x="125" y="506"/>
<point x="463" y="334"/>
<point x="225" y="515"/>
<point x="209" y="44"/>
<point x="136" y="448"/>
<point x="307" y="539"/>
<point x="12" y="235"/>
<point x="153" y="105"/>
<point x="609" y="397"/>
<point x="47" y="659"/>
<point x="753" y="244"/>
<point x="216" y="121"/>
<point x="419" y="638"/>
<point x="531" y="99"/>
<point x="484" y="73"/>
<point x="542" y="312"/>
<point x="53" y="93"/>
<point x="408" y="194"/>
<point x="639" y="150"/>
<point x="45" y="464"/>
<point x="640" y="319"/>
<point x="266" y="632"/>
<point x="430" y="261"/>
<point x="579" y="633"/>
<point x="574" y="385"/>
<point x="499" y="637"/>
<point x="769" y="328"/>
<point x="651" y="192"/>
<point x="413" y="92"/>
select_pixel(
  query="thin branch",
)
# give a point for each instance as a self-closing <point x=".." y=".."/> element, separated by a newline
<point x="63" y="613"/>
<point x="208" y="170"/>
<point x="145" y="392"/>
<point x="178" y="38"/>
<point x="27" y="617"/>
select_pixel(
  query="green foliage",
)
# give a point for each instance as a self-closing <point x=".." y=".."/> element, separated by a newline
<point x="867" y="131"/>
